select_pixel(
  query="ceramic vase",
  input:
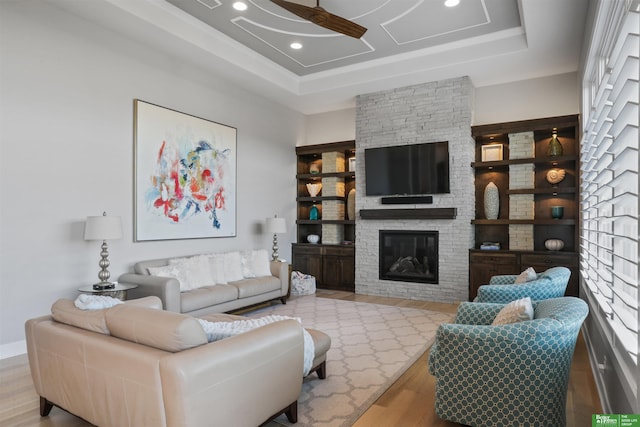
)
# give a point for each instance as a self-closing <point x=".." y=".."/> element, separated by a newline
<point x="555" y="148"/>
<point x="313" y="238"/>
<point x="314" y="189"/>
<point x="491" y="201"/>
<point x="351" y="205"/>
<point x="314" y="214"/>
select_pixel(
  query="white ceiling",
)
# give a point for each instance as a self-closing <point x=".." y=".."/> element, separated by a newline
<point x="407" y="42"/>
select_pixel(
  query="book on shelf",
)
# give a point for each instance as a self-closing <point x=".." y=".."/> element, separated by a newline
<point x="490" y="246"/>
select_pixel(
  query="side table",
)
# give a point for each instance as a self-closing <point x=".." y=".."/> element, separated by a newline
<point x="119" y="291"/>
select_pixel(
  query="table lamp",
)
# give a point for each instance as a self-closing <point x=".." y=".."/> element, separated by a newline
<point x="103" y="228"/>
<point x="276" y="226"/>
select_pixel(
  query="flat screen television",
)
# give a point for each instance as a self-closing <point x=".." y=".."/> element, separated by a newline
<point x="407" y="169"/>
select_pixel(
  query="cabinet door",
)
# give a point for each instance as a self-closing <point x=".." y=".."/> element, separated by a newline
<point x="483" y="266"/>
<point x="338" y="268"/>
<point x="541" y="262"/>
<point x="308" y="260"/>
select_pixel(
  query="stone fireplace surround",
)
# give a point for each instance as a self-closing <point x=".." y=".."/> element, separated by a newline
<point x="431" y="112"/>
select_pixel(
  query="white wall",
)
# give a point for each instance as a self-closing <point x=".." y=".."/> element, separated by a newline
<point x="333" y="126"/>
<point x="527" y="99"/>
<point x="66" y="152"/>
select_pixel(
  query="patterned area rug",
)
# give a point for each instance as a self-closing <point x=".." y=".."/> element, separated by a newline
<point x="372" y="345"/>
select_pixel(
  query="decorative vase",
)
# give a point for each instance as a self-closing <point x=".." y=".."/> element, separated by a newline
<point x="314" y="189"/>
<point x="351" y="205"/>
<point x="554" y="244"/>
<point x="557" y="212"/>
<point x="313" y="238"/>
<point x="555" y="148"/>
<point x="314" y="213"/>
<point x="491" y="201"/>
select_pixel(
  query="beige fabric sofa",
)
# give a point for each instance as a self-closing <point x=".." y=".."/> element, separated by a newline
<point x="213" y="297"/>
<point x="137" y="365"/>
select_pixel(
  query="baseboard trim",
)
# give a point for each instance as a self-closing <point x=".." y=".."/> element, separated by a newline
<point x="13" y="349"/>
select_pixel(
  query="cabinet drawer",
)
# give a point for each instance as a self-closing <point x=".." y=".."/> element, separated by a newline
<point x="493" y="258"/>
<point x="342" y="251"/>
<point x="552" y="260"/>
<point x="307" y="250"/>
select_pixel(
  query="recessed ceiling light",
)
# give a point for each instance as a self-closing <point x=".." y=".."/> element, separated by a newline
<point x="451" y="3"/>
<point x="295" y="45"/>
<point x="240" y="5"/>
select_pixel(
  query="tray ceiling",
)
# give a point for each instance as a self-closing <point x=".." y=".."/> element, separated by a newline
<point x="408" y="42"/>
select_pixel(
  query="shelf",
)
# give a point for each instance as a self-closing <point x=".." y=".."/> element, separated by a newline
<point x="545" y="159"/>
<point x="319" y="198"/>
<point x="552" y="190"/>
<point x="316" y="176"/>
<point x="523" y="221"/>
<point x="429" y="213"/>
<point x="325" y="221"/>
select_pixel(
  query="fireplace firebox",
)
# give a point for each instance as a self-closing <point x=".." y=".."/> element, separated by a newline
<point x="409" y="256"/>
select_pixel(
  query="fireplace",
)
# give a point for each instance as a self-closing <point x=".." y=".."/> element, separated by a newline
<point x="409" y="256"/>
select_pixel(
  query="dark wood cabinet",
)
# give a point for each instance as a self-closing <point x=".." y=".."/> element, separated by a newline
<point x="524" y="172"/>
<point x="332" y="266"/>
<point x="485" y="264"/>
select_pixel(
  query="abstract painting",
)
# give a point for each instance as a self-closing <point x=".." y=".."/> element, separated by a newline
<point x="185" y="175"/>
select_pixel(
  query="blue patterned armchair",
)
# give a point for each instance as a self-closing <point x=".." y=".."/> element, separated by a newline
<point x="506" y="375"/>
<point x="549" y="284"/>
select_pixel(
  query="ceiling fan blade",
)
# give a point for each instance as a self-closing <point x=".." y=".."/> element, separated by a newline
<point x="321" y="17"/>
<point x="337" y="24"/>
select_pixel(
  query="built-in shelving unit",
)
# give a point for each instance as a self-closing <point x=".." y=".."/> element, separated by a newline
<point x="525" y="221"/>
<point x="332" y="260"/>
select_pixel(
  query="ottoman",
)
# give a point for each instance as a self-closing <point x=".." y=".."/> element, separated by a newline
<point x="321" y="342"/>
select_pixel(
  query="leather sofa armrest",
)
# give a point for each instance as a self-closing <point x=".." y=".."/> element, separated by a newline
<point x="280" y="270"/>
<point x="215" y="384"/>
<point x="165" y="288"/>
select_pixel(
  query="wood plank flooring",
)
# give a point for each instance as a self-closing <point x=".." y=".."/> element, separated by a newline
<point x="409" y="402"/>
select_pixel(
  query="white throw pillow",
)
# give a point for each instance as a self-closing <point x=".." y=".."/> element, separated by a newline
<point x="261" y="264"/>
<point x="247" y="264"/>
<point x="526" y="276"/>
<point x="516" y="311"/>
<point x="194" y="270"/>
<point x="233" y="266"/>
<point x="216" y="268"/>
<point x="170" y="271"/>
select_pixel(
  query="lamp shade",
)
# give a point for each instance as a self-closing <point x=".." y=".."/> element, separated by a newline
<point x="103" y="228"/>
<point x="275" y="225"/>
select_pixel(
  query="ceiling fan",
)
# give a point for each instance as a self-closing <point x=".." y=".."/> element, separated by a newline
<point x="321" y="17"/>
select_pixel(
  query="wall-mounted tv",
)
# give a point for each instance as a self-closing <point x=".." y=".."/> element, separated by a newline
<point x="407" y="169"/>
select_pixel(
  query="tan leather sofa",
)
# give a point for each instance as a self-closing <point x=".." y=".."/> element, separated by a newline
<point x="218" y="298"/>
<point x="137" y="365"/>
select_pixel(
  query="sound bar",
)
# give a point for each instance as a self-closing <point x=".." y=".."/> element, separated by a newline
<point x="401" y="200"/>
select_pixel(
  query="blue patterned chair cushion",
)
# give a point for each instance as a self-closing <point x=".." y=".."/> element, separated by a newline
<point x="506" y="375"/>
<point x="549" y="284"/>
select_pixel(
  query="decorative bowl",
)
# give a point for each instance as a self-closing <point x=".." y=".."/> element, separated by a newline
<point x="314" y="189"/>
<point x="313" y="238"/>
<point x="554" y="244"/>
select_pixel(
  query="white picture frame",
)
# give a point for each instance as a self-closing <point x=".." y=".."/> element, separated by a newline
<point x="352" y="164"/>
<point x="491" y="152"/>
<point x="184" y="175"/>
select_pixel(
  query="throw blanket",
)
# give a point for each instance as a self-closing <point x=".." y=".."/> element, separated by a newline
<point x="220" y="330"/>
<point x="95" y="302"/>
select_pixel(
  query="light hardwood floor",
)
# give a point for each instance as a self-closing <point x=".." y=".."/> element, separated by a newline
<point x="409" y="402"/>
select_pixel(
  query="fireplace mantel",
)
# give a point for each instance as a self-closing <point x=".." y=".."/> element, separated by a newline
<point x="427" y="213"/>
